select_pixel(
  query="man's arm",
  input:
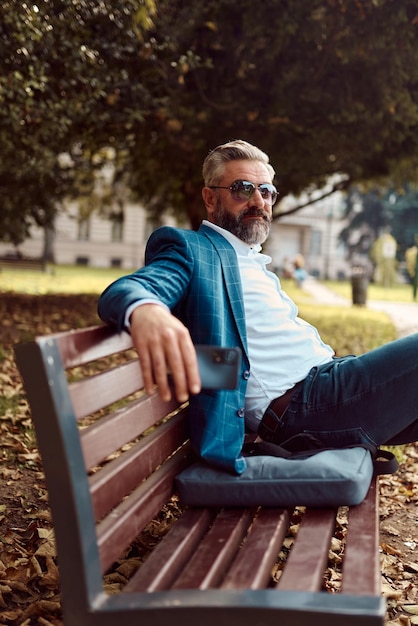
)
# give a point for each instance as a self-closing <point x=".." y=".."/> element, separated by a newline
<point x="165" y="278"/>
<point x="164" y="347"/>
<point x="163" y="343"/>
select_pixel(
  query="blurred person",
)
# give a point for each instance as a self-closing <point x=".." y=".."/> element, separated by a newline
<point x="299" y="273"/>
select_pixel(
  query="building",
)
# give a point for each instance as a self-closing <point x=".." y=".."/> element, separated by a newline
<point x="312" y="232"/>
<point x="117" y="239"/>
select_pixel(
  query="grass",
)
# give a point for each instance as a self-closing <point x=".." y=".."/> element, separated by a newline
<point x="80" y="279"/>
<point x="9" y="405"/>
<point x="399" y="292"/>
<point x="60" y="279"/>
<point x="348" y="329"/>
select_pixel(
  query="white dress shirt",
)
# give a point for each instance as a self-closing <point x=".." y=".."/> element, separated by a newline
<point x="282" y="347"/>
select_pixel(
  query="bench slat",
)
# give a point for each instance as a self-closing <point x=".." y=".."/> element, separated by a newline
<point x="122" y="426"/>
<point x="253" y="565"/>
<point x="168" y="559"/>
<point x="208" y="565"/>
<point x="361" y="564"/>
<point x="122" y="475"/>
<point x="126" y="521"/>
<point x="90" y="344"/>
<point x="94" y="393"/>
<point x="308" y="557"/>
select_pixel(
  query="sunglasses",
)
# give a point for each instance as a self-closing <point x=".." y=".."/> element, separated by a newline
<point x="243" y="190"/>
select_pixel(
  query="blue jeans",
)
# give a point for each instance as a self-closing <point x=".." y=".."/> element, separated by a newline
<point x="366" y="399"/>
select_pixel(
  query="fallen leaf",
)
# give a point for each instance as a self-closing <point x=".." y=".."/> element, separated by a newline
<point x="389" y="592"/>
<point x="390" y="549"/>
<point x="409" y="566"/>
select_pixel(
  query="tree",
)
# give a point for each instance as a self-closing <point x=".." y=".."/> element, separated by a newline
<point x="374" y="211"/>
<point x="383" y="255"/>
<point x="66" y="86"/>
<point x="324" y="86"/>
<point x="368" y="217"/>
<point x="403" y="205"/>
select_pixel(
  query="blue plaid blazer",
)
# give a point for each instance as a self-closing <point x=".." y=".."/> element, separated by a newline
<point x="196" y="275"/>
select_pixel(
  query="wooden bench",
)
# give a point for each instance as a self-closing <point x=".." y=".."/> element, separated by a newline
<point x="110" y="455"/>
<point x="22" y="264"/>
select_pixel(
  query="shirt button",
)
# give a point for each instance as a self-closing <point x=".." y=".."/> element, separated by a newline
<point x="241" y="412"/>
<point x="246" y="374"/>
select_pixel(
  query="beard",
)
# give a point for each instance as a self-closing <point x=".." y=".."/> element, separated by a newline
<point x="250" y="231"/>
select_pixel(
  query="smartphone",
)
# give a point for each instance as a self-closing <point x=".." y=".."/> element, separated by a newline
<point x="219" y="367"/>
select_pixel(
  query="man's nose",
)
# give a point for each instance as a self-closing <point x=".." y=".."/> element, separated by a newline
<point x="257" y="199"/>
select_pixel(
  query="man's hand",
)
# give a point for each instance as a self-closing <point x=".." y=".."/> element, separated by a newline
<point x="164" y="346"/>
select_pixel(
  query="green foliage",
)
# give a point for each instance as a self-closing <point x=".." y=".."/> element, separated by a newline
<point x="403" y="206"/>
<point x="324" y="86"/>
<point x="371" y="213"/>
<point x="411" y="260"/>
<point x="367" y="216"/>
<point x="383" y="255"/>
<point x="318" y="85"/>
<point x="9" y="405"/>
<point x="67" y="81"/>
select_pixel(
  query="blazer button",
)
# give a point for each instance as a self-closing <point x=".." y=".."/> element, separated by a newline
<point x="246" y="374"/>
<point x="241" y="412"/>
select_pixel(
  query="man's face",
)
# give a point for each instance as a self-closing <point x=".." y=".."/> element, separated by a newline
<point x="250" y="219"/>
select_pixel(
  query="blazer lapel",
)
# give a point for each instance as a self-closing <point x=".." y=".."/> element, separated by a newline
<point x="232" y="278"/>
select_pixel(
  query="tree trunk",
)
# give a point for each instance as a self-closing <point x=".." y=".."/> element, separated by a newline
<point x="48" y="254"/>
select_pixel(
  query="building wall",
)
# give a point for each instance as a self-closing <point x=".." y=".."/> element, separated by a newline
<point x="312" y="231"/>
<point x="98" y="250"/>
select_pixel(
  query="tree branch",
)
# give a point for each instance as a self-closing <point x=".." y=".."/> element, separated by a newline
<point x="342" y="185"/>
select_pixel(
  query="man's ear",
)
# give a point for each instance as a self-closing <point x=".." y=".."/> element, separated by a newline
<point x="209" y="198"/>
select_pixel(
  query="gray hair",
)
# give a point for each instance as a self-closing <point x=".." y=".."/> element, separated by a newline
<point x="213" y="165"/>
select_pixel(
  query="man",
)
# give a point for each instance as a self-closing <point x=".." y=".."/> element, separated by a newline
<point x="213" y="287"/>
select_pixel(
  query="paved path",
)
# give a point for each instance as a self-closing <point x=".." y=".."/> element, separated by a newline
<point x="403" y="314"/>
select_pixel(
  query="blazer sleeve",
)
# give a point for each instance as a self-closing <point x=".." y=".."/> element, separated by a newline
<point x="165" y="277"/>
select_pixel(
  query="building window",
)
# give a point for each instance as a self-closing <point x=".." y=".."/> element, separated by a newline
<point x="316" y="243"/>
<point x="83" y="229"/>
<point x="117" y="226"/>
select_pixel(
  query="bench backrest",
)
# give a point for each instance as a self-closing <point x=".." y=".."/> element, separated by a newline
<point x="108" y="468"/>
<point x="22" y="264"/>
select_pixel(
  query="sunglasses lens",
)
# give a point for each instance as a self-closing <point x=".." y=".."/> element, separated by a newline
<point x="269" y="193"/>
<point x="242" y="190"/>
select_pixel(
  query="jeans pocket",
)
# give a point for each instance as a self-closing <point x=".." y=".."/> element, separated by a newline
<point x="340" y="438"/>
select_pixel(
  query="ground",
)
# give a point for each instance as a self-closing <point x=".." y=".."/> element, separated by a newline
<point x="29" y="582"/>
<point x="399" y="539"/>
